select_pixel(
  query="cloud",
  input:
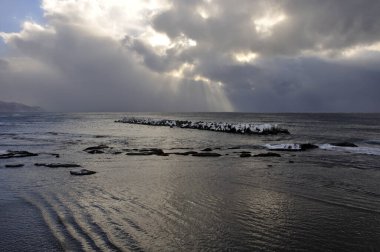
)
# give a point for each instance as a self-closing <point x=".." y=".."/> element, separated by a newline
<point x="199" y="55"/>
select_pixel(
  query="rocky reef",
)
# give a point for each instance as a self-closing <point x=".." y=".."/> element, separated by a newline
<point x="237" y="128"/>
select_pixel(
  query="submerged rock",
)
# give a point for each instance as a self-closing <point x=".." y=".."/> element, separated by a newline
<point x="234" y="148"/>
<point x="94" y="149"/>
<point x="82" y="172"/>
<point x="268" y="154"/>
<point x="17" y="154"/>
<point x="148" y="152"/>
<point x="344" y="144"/>
<point x="14" y="165"/>
<point x="95" y="152"/>
<point x="139" y="154"/>
<point x="57" y="165"/>
<point x="245" y="155"/>
<point x="207" y="149"/>
<point x="206" y="154"/>
<point x="187" y="153"/>
<point x="238" y="128"/>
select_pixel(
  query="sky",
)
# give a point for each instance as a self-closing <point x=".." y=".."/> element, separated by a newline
<point x="194" y="55"/>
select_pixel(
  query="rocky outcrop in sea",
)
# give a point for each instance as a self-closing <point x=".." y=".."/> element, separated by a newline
<point x="238" y="128"/>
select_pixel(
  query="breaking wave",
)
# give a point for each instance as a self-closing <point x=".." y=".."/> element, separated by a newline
<point x="355" y="150"/>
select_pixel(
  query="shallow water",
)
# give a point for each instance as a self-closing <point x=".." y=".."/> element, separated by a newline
<point x="327" y="199"/>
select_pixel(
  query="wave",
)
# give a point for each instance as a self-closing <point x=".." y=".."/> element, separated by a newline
<point x="291" y="147"/>
<point x="329" y="147"/>
<point x="239" y="128"/>
<point x="355" y="150"/>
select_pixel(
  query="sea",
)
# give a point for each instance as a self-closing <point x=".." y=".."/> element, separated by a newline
<point x="322" y="199"/>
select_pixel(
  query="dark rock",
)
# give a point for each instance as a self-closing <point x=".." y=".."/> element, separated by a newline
<point x="139" y="153"/>
<point x="117" y="152"/>
<point x="99" y="147"/>
<point x="185" y="153"/>
<point x="206" y="154"/>
<point x="245" y="155"/>
<point x="14" y="165"/>
<point x="270" y="165"/>
<point x="57" y="165"/>
<point x="344" y="144"/>
<point x="100" y="136"/>
<point x="17" y="154"/>
<point x="268" y="154"/>
<point x="95" y="152"/>
<point x="291" y="161"/>
<point x="82" y="172"/>
<point x="154" y="151"/>
<point x="308" y="146"/>
<point x="207" y="149"/>
<point x="236" y="128"/>
<point x="181" y="148"/>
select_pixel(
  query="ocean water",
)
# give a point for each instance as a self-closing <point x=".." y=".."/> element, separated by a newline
<point x="325" y="199"/>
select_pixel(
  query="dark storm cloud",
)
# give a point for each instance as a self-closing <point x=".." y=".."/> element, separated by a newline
<point x="301" y="62"/>
<point x="310" y="85"/>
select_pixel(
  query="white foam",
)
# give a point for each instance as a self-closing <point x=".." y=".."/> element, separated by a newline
<point x="355" y="150"/>
<point x="283" y="146"/>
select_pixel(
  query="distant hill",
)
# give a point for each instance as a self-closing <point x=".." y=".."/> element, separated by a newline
<point x="17" y="107"/>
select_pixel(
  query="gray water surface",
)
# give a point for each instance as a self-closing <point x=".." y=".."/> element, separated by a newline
<point x="323" y="200"/>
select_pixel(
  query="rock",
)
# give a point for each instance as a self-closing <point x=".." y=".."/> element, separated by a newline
<point x="234" y="148"/>
<point x="116" y="152"/>
<point x="154" y="151"/>
<point x="237" y="128"/>
<point x="270" y="165"/>
<point x="268" y="154"/>
<point x="57" y="165"/>
<point x="82" y="172"/>
<point x="207" y="149"/>
<point x="206" y="154"/>
<point x="17" y="154"/>
<point x="95" y="152"/>
<point x="308" y="146"/>
<point x="148" y="152"/>
<point x="344" y="144"/>
<point x="99" y="147"/>
<point x="100" y="136"/>
<point x="139" y="154"/>
<point x="291" y="161"/>
<point x="245" y="155"/>
<point x="14" y="165"/>
<point x="187" y="153"/>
